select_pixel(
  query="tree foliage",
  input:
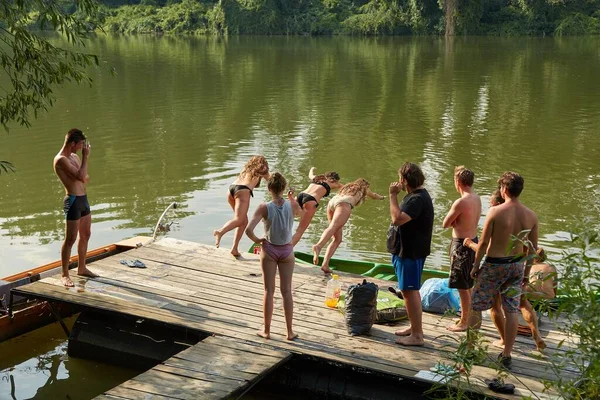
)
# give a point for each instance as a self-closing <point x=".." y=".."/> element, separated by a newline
<point x="32" y="64"/>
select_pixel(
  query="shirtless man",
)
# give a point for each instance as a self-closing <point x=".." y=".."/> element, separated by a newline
<point x="463" y="218"/>
<point x="503" y="271"/>
<point x="72" y="173"/>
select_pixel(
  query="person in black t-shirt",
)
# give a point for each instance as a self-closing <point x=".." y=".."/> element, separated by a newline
<point x="415" y="218"/>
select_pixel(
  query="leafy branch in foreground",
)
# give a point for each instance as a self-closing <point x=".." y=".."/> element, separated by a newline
<point x="33" y="65"/>
<point x="579" y="311"/>
<point x="6" y="166"/>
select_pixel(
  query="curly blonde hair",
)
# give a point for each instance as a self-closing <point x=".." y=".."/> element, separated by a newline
<point x="256" y="167"/>
<point x="359" y="186"/>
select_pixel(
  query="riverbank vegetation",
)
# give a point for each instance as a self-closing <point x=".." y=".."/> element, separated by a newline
<point x="352" y="17"/>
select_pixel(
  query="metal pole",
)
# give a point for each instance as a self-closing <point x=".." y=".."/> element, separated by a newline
<point x="59" y="319"/>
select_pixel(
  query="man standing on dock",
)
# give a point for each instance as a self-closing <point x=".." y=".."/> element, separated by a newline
<point x="463" y="217"/>
<point x="504" y="271"/>
<point x="415" y="219"/>
<point x="72" y="173"/>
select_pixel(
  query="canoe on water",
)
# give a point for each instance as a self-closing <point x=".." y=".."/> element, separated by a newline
<point x="365" y="268"/>
<point x="386" y="271"/>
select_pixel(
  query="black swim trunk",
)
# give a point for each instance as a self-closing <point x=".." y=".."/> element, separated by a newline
<point x="461" y="263"/>
<point x="233" y="189"/>
<point x="76" y="207"/>
<point x="304" y="197"/>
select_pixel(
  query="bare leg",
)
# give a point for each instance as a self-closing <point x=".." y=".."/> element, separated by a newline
<point x="286" y="270"/>
<point x="218" y="233"/>
<point x="497" y="315"/>
<point x="71" y="230"/>
<point x="85" y="231"/>
<point x="309" y="210"/>
<point x="339" y="217"/>
<point x="269" y="268"/>
<point x="510" y="332"/>
<point x="239" y="221"/>
<point x="474" y="323"/>
<point x="337" y="240"/>
<point x="412" y="300"/>
<point x="465" y="305"/>
<point x="531" y="319"/>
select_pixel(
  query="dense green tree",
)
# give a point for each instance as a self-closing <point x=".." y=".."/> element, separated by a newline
<point x="32" y="64"/>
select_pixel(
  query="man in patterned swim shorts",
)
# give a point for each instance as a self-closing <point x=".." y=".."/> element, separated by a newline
<point x="504" y="272"/>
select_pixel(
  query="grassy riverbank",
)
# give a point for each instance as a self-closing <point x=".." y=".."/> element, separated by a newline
<point x="352" y="17"/>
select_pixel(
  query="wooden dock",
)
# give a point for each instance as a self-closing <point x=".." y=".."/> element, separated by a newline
<point x="200" y="287"/>
<point x="216" y="368"/>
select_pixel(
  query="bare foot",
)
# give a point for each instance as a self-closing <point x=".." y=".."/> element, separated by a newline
<point x="326" y="270"/>
<point x="217" y="235"/>
<point x="498" y="343"/>
<point x="410" y="341"/>
<point x="459" y="327"/>
<point x="87" y="273"/>
<point x="292" y="336"/>
<point x="263" y="334"/>
<point x="67" y="281"/>
<point x="404" y="332"/>
<point x="316" y="250"/>
<point x="540" y="344"/>
<point x="235" y="253"/>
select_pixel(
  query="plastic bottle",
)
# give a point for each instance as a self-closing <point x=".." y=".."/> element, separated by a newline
<point x="332" y="294"/>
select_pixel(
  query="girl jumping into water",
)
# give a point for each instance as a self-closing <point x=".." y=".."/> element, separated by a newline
<point x="319" y="187"/>
<point x="239" y="200"/>
<point x="339" y="209"/>
<point x="278" y="251"/>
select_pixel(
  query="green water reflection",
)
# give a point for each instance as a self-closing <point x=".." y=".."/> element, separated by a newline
<point x="183" y="114"/>
<point x="36" y="366"/>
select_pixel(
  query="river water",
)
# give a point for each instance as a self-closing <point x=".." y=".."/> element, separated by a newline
<point x="182" y="116"/>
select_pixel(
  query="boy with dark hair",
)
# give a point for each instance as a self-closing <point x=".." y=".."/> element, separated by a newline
<point x="72" y="173"/>
<point x="503" y="271"/>
<point x="415" y="219"/>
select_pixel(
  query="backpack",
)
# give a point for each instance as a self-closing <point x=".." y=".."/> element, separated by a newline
<point x="393" y="241"/>
<point x="361" y="307"/>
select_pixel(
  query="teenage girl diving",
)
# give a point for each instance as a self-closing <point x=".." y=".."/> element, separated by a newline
<point x="320" y="186"/>
<point x="238" y="197"/>
<point x="339" y="209"/>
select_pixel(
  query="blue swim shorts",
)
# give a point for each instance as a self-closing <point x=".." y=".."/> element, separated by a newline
<point x="408" y="271"/>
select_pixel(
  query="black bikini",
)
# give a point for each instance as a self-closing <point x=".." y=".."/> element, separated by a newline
<point x="233" y="189"/>
<point x="326" y="186"/>
<point x="304" y="197"/>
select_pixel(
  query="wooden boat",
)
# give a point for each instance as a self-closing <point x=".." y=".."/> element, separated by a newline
<point x="19" y="315"/>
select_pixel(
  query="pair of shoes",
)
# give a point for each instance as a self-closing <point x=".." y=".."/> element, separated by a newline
<point x="498" y="386"/>
<point x="505" y="362"/>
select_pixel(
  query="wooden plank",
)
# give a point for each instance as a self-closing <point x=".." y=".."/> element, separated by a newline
<point x="121" y="392"/>
<point x="170" y="385"/>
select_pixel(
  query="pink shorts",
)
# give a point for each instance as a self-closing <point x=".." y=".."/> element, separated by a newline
<point x="278" y="252"/>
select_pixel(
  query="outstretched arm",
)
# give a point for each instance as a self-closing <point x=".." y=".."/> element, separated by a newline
<point x="311" y="173"/>
<point x="260" y="213"/>
<point x="374" y="196"/>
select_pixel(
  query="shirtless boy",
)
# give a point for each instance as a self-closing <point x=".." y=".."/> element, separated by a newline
<point x="463" y="218"/>
<point x="72" y="173"/>
<point x="503" y="271"/>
